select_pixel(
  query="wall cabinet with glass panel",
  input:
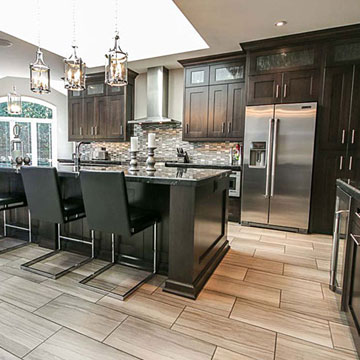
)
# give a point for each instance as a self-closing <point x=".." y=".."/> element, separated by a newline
<point x="284" y="76"/>
<point x="101" y="112"/>
<point x="214" y="101"/>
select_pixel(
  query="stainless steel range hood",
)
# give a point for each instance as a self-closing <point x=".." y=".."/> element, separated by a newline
<point x="157" y="98"/>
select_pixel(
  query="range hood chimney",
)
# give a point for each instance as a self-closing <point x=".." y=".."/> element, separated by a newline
<point x="157" y="97"/>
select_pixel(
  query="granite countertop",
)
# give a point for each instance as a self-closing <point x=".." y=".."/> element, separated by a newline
<point x="163" y="175"/>
<point x="202" y="166"/>
<point x="350" y="187"/>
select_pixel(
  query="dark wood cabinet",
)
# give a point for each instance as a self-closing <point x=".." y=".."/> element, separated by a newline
<point x="87" y="129"/>
<point x="76" y="125"/>
<point x="101" y="117"/>
<point x="300" y="86"/>
<point x="264" y="89"/>
<point x="101" y="112"/>
<point x="329" y="166"/>
<point x="115" y="123"/>
<point x="218" y="98"/>
<point x="236" y="111"/>
<point x="196" y="112"/>
<point x="287" y="87"/>
<point x="336" y="108"/>
<point x="215" y="112"/>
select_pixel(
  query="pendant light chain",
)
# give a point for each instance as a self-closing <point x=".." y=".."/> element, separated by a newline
<point x="74" y="25"/>
<point x="116" y="17"/>
<point x="38" y="22"/>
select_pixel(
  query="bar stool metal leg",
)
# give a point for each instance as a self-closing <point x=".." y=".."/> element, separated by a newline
<point x="4" y="215"/>
<point x="92" y="244"/>
<point x="108" y="266"/>
<point x="15" y="243"/>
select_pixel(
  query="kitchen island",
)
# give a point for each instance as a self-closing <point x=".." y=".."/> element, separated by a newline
<point x="192" y="236"/>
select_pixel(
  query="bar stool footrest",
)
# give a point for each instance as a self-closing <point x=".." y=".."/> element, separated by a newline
<point x="91" y="282"/>
<point x="28" y="266"/>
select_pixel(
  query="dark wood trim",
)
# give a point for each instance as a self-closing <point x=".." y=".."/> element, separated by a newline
<point x="324" y="35"/>
<point x="237" y="55"/>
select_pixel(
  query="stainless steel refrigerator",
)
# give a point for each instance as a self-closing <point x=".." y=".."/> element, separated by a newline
<point x="278" y="162"/>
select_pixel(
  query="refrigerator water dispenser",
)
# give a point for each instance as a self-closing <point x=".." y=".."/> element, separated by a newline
<point x="257" y="154"/>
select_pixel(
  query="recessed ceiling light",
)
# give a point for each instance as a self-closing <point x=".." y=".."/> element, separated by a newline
<point x="281" y="23"/>
<point x="5" y="43"/>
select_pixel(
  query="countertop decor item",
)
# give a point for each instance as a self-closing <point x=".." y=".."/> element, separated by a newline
<point x="14" y="102"/>
<point x="150" y="161"/>
<point x="133" y="161"/>
<point x="116" y="68"/>
<point x="39" y="71"/>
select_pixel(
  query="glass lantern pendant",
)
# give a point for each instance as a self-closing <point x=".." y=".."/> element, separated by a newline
<point x="75" y="70"/>
<point x="39" y="75"/>
<point x="14" y="102"/>
<point x="116" y="71"/>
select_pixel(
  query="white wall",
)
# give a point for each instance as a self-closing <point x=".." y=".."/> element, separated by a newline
<point x="176" y="90"/>
<point x="64" y="147"/>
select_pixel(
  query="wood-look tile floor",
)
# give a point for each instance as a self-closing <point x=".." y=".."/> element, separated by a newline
<point x="267" y="300"/>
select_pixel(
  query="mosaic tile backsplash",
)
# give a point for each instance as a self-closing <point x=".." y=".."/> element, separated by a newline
<point x="168" y="138"/>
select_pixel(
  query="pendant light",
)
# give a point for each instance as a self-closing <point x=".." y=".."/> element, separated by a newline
<point x="14" y="102"/>
<point x="116" y="71"/>
<point x="39" y="71"/>
<point x="75" y="68"/>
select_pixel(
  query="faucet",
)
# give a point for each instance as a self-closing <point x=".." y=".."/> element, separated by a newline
<point x="77" y="152"/>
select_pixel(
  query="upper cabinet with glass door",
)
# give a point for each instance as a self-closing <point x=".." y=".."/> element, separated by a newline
<point x="345" y="52"/>
<point x="280" y="60"/>
<point x="227" y="73"/>
<point x="197" y="76"/>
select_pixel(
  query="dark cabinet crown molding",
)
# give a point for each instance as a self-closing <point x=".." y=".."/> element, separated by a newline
<point x="325" y="35"/>
<point x="237" y="55"/>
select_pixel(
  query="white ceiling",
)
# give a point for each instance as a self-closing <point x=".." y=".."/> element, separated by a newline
<point x="222" y="24"/>
<point x="147" y="28"/>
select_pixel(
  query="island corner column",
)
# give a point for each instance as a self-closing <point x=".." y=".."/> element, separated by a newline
<point x="197" y="234"/>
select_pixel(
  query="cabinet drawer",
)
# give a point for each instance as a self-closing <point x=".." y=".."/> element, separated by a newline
<point x="197" y="76"/>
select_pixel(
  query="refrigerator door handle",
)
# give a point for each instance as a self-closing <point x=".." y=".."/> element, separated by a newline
<point x="268" y="160"/>
<point x="273" y="162"/>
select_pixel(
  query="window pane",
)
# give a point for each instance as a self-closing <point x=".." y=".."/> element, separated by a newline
<point x="4" y="142"/>
<point x="25" y="137"/>
<point x="44" y="144"/>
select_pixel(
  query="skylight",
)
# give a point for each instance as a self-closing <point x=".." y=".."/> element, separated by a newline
<point x="148" y="28"/>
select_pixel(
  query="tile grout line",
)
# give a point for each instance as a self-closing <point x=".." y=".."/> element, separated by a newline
<point x="61" y="327"/>
<point x="275" y="347"/>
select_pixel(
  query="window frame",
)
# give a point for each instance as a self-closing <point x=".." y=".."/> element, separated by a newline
<point x="34" y="121"/>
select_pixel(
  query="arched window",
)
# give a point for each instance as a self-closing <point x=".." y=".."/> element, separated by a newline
<point x="37" y="130"/>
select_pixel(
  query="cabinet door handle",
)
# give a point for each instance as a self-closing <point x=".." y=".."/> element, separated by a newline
<point x="353" y="136"/>
<point x="277" y="90"/>
<point x="95" y="130"/>
<point x="354" y="237"/>
<point x="223" y="127"/>
<point x="229" y="127"/>
<point x="341" y="162"/>
<point x="121" y="130"/>
<point x="80" y="130"/>
<point x="350" y="162"/>
<point x="343" y="136"/>
<point x="285" y="90"/>
<point x="187" y="128"/>
<point x="91" y="131"/>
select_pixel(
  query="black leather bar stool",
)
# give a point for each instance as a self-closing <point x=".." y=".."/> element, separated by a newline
<point x="7" y="202"/>
<point x="107" y="210"/>
<point x="45" y="201"/>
